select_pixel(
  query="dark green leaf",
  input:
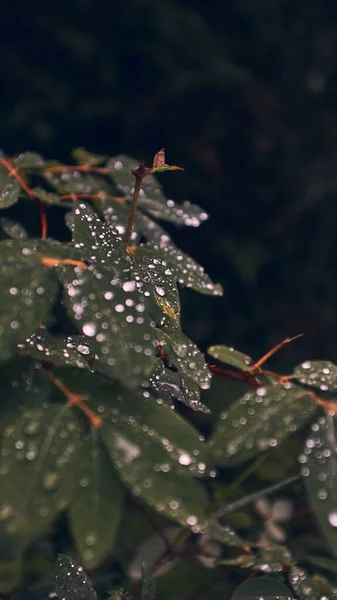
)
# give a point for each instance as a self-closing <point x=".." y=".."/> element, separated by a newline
<point x="319" y="473"/>
<point x="263" y="588"/>
<point x="141" y="416"/>
<point x="323" y="562"/>
<point x="259" y="421"/>
<point x="170" y="384"/>
<point x="187" y="214"/>
<point x="224" y="534"/>
<point x="77" y="182"/>
<point x="38" y="461"/>
<point x="97" y="242"/>
<point x="186" y="271"/>
<point x="148" y="584"/>
<point x="83" y="157"/>
<point x="116" y="215"/>
<point x="96" y="505"/>
<point x="51" y="198"/>
<point x="27" y="294"/>
<point x="155" y="478"/>
<point x="71" y="582"/>
<point x="29" y="160"/>
<point x="113" y="316"/>
<point x="12" y="229"/>
<point x="59" y="350"/>
<point x="165" y="294"/>
<point x="184" y="355"/>
<point x="303" y="584"/>
<point x="231" y="357"/>
<point x="9" y="188"/>
<point x="319" y="374"/>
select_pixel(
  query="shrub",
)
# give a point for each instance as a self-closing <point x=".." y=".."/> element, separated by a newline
<point x="95" y="375"/>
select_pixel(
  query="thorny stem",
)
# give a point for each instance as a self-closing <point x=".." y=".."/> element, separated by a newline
<point x="77" y="400"/>
<point x="50" y="261"/>
<point x="133" y="211"/>
<point x="43" y="219"/>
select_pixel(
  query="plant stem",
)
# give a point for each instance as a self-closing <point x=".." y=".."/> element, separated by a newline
<point x="252" y="497"/>
<point x="133" y="210"/>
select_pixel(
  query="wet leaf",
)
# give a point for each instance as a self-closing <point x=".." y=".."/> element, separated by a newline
<point x="319" y="374"/>
<point x="71" y="582"/>
<point x="148" y="584"/>
<point x="96" y="505"/>
<point x="319" y="470"/>
<point x="224" y="534"/>
<point x="97" y="242"/>
<point x="155" y="478"/>
<point x="116" y="215"/>
<point x="187" y="214"/>
<point x="165" y="294"/>
<point x="77" y="182"/>
<point x="231" y="357"/>
<point x="29" y="160"/>
<point x="323" y="562"/>
<point x="263" y="588"/>
<point x="9" y="189"/>
<point x="259" y="421"/>
<point x="181" y="266"/>
<point x="83" y="157"/>
<point x="141" y="416"/>
<point x="164" y="168"/>
<point x="184" y="355"/>
<point x="12" y="229"/>
<point x="51" y="198"/>
<point x="38" y="461"/>
<point x="59" y="350"/>
<point x="303" y="585"/>
<point x="112" y="314"/>
<point x="26" y="296"/>
<point x="170" y="384"/>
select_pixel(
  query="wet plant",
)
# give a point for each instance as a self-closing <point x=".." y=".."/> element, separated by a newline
<point x="100" y="386"/>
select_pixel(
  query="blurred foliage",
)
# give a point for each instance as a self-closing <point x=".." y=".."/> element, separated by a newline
<point x="100" y="391"/>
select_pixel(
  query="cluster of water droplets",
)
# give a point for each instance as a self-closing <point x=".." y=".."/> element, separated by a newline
<point x="68" y="350"/>
<point x="320" y="374"/>
<point x="261" y="419"/>
<point x="319" y="468"/>
<point x="71" y="581"/>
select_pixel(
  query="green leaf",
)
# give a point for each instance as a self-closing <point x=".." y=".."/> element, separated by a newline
<point x="83" y="157"/>
<point x="29" y="160"/>
<point x="38" y="461"/>
<point x="231" y="357"/>
<point x="318" y="462"/>
<point x="148" y="584"/>
<point x="59" y="350"/>
<point x="51" y="198"/>
<point x="71" y="582"/>
<point x="165" y="294"/>
<point x="170" y="384"/>
<point x="141" y="416"/>
<point x="184" y="355"/>
<point x="77" y="182"/>
<point x="323" y="562"/>
<point x="224" y="534"/>
<point x="113" y="316"/>
<point x="97" y="242"/>
<point x="164" y="168"/>
<point x="12" y="229"/>
<point x="155" y="478"/>
<point x="21" y="378"/>
<point x="266" y="588"/>
<point x="9" y="189"/>
<point x="319" y="374"/>
<point x="27" y="294"/>
<point x="186" y="271"/>
<point x="259" y="421"/>
<point x="187" y="214"/>
<point x="96" y="505"/>
<point x="303" y="585"/>
<point x="145" y="443"/>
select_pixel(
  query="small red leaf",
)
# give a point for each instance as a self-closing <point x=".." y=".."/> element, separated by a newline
<point x="159" y="159"/>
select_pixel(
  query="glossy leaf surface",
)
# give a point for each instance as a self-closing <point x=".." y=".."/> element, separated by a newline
<point x="71" y="582"/>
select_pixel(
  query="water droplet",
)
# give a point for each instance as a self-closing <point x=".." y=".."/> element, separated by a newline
<point x="89" y="329"/>
<point x="332" y="518"/>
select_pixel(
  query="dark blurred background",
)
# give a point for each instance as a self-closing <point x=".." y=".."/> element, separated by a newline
<point x="242" y="93"/>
